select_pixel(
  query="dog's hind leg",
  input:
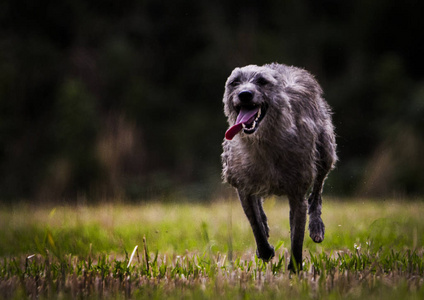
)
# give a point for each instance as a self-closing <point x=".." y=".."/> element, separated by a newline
<point x="325" y="163"/>
<point x="316" y="225"/>
<point x="297" y="231"/>
<point x="252" y="206"/>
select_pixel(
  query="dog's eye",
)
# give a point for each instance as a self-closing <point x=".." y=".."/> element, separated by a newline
<point x="234" y="82"/>
<point x="262" y="81"/>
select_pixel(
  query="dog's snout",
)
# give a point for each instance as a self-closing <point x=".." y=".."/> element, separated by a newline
<point x="245" y="96"/>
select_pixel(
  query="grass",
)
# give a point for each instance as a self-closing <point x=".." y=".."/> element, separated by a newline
<point x="372" y="250"/>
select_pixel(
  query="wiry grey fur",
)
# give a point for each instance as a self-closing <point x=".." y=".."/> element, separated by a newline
<point x="291" y="152"/>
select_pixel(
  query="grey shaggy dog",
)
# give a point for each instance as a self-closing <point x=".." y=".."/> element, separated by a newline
<point x="280" y="142"/>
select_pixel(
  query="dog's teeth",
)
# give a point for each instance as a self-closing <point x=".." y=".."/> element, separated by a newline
<point x="258" y="115"/>
<point x="244" y="126"/>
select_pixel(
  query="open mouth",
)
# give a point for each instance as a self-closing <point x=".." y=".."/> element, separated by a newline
<point x="250" y="128"/>
<point x="248" y="119"/>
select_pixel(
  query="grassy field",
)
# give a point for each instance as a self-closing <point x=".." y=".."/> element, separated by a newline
<point x="372" y="250"/>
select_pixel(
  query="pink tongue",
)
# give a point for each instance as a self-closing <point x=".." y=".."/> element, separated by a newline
<point x="246" y="116"/>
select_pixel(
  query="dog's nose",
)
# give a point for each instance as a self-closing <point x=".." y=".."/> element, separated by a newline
<point x="245" y="96"/>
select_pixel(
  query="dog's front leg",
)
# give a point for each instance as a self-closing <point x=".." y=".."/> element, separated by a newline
<point x="252" y="206"/>
<point x="297" y="231"/>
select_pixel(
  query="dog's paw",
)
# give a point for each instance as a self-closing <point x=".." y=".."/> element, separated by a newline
<point x="266" y="254"/>
<point x="316" y="230"/>
<point x="294" y="268"/>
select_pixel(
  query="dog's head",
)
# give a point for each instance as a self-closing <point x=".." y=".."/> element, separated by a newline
<point x="249" y="97"/>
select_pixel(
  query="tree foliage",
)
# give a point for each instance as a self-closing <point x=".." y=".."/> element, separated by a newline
<point x="124" y="98"/>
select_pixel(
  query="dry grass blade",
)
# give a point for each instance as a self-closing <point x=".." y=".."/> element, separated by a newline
<point x="132" y="256"/>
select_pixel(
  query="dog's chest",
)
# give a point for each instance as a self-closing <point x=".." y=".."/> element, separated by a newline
<point x="260" y="171"/>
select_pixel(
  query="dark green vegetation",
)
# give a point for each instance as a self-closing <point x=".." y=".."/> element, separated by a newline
<point x="372" y="250"/>
<point x="124" y="98"/>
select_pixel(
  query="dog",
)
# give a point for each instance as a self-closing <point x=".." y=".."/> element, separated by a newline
<point x="281" y="141"/>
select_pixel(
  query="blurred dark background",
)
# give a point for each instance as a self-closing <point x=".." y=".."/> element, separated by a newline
<point x="122" y="99"/>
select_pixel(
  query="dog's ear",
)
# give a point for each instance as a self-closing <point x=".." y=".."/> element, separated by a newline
<point x="276" y="72"/>
<point x="233" y="78"/>
<point x="278" y="77"/>
<point x="228" y="109"/>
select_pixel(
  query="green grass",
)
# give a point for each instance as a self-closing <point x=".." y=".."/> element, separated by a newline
<point x="372" y="250"/>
